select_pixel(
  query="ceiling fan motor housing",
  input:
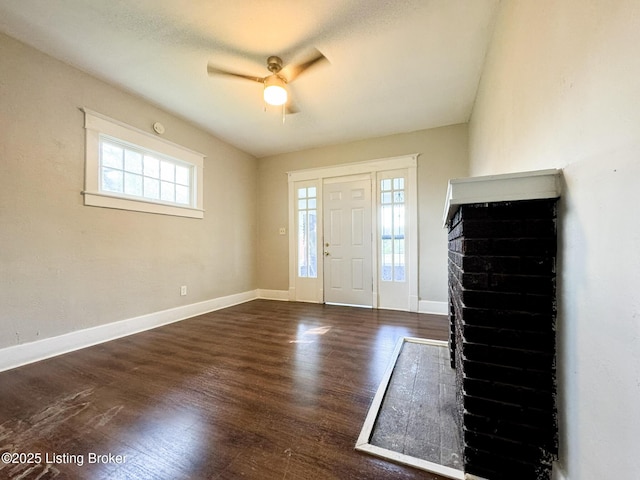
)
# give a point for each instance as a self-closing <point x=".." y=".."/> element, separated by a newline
<point x="274" y="64"/>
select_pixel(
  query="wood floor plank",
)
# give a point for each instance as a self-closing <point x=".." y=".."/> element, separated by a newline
<point x="262" y="390"/>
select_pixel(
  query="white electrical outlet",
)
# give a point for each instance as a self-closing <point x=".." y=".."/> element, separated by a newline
<point x="183" y="290"/>
<point x="283" y="231"/>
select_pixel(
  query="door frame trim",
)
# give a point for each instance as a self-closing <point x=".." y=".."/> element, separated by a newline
<point x="372" y="167"/>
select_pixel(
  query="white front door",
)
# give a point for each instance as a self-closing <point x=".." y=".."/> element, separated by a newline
<point x="348" y="277"/>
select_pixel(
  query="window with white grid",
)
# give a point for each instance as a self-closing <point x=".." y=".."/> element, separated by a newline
<point x="136" y="172"/>
<point x="130" y="169"/>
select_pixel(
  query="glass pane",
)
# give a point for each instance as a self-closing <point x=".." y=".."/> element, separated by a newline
<point x="302" y="193"/>
<point x="182" y="195"/>
<point x="167" y="171"/>
<point x="386" y="220"/>
<point x="112" y="180"/>
<point x="133" y="184"/>
<point x="398" y="223"/>
<point x="386" y="266"/>
<point x="302" y="243"/>
<point x="167" y="191"/>
<point x="151" y="187"/>
<point x="312" y="192"/>
<point x="151" y="167"/>
<point x="385" y="184"/>
<point x="111" y="155"/>
<point x="302" y="204"/>
<point x="312" y="237"/>
<point x="386" y="197"/>
<point x="399" y="273"/>
<point x="182" y="175"/>
<point x="398" y="197"/>
<point x="398" y="260"/>
<point x="132" y="161"/>
<point x="312" y="203"/>
<point x="398" y="183"/>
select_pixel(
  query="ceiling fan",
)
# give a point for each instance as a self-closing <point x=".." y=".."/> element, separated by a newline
<point x="275" y="85"/>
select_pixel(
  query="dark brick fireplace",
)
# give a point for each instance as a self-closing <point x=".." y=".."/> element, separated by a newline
<point x="502" y="315"/>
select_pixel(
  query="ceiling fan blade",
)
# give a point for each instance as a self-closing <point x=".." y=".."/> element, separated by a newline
<point x="211" y="70"/>
<point x="291" y="108"/>
<point x="296" y="70"/>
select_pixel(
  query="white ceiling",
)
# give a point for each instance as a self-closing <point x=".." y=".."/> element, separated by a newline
<point x="394" y="66"/>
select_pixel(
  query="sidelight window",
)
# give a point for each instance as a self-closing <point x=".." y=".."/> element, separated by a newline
<point x="392" y="221"/>
<point x="307" y="232"/>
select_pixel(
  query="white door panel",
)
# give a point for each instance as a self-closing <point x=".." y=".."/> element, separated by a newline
<point x="348" y="246"/>
<point x="357" y="274"/>
<point x="335" y="228"/>
<point x="357" y="227"/>
<point x="335" y="273"/>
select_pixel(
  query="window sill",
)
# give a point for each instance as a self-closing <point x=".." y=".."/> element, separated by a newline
<point x="107" y="201"/>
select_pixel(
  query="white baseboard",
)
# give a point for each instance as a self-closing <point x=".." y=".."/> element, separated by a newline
<point x="18" y="355"/>
<point x="437" y="308"/>
<point x="414" y="303"/>
<point x="423" y="306"/>
<point x="282" y="295"/>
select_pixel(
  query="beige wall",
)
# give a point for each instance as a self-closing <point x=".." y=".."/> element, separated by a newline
<point x="67" y="267"/>
<point x="443" y="155"/>
<point x="64" y="266"/>
<point x="561" y="89"/>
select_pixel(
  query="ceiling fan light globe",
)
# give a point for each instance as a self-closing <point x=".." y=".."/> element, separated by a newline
<point x="275" y="95"/>
<point x="275" y="92"/>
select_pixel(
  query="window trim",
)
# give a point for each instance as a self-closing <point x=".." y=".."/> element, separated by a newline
<point x="96" y="125"/>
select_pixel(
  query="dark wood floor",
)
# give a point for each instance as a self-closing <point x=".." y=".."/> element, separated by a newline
<point x="262" y="390"/>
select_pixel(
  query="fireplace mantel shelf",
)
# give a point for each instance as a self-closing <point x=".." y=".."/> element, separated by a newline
<point x="501" y="188"/>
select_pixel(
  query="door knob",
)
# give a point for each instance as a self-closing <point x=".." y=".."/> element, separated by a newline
<point x="326" y="254"/>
